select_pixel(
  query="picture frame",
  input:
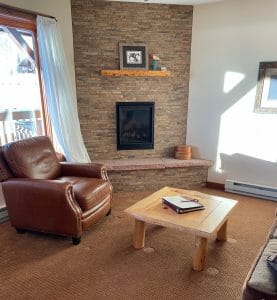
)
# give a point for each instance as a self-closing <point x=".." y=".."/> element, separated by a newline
<point x="266" y="94"/>
<point x="133" y="56"/>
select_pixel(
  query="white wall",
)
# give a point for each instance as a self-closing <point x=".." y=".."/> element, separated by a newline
<point x="61" y="9"/>
<point x="229" y="39"/>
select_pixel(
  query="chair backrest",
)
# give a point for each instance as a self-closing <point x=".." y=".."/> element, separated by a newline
<point x="5" y="172"/>
<point x="32" y="158"/>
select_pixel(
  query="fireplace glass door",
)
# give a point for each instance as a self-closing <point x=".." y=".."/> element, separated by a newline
<point x="135" y="125"/>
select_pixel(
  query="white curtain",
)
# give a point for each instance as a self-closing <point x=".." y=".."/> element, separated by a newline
<point x="60" y="97"/>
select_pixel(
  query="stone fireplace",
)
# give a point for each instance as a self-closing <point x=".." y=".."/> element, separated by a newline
<point x="135" y="125"/>
<point x="166" y="30"/>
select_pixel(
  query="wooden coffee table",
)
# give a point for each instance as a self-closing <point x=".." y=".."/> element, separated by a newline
<point x="204" y="224"/>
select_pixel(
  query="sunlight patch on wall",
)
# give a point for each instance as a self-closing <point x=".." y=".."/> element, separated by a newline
<point x="245" y="132"/>
<point x="231" y="80"/>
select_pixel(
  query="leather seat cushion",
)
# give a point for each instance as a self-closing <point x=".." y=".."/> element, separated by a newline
<point x="89" y="192"/>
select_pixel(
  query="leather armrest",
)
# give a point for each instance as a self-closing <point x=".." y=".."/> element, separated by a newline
<point x="84" y="170"/>
<point x="44" y="205"/>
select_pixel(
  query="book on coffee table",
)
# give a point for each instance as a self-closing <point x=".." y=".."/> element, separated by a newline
<point x="182" y="204"/>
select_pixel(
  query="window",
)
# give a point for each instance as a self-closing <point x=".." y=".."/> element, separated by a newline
<point x="266" y="96"/>
<point x="21" y="106"/>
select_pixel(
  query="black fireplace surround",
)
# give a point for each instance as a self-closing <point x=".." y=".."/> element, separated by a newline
<point x="135" y="125"/>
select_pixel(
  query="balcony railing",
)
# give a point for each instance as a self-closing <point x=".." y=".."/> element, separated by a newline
<point x="19" y="124"/>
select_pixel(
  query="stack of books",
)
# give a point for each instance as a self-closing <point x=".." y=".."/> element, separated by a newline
<point x="183" y="152"/>
<point x="182" y="204"/>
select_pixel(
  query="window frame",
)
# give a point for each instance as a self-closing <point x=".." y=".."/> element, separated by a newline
<point x="267" y="70"/>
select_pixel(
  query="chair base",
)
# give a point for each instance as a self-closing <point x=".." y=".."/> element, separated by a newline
<point x="20" y="230"/>
<point x="76" y="241"/>
<point x="109" y="212"/>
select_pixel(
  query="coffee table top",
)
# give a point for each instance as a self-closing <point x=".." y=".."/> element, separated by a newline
<point x="204" y="223"/>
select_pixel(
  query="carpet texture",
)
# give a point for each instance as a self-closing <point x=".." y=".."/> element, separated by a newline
<point x="105" y="265"/>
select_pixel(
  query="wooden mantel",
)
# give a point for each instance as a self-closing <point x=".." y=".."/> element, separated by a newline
<point x="134" y="73"/>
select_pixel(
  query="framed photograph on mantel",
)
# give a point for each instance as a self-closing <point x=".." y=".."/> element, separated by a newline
<point x="133" y="56"/>
<point x="266" y="95"/>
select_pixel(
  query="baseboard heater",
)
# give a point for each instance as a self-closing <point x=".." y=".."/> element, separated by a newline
<point x="260" y="191"/>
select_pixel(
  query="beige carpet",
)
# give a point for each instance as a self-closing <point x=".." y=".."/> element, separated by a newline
<point x="105" y="266"/>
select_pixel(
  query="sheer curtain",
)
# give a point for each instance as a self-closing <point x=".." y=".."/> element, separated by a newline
<point x="60" y="96"/>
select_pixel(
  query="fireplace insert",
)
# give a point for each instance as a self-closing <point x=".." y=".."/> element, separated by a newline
<point x="135" y="125"/>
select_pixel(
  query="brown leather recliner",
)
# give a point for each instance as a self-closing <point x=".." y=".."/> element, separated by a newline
<point x="43" y="194"/>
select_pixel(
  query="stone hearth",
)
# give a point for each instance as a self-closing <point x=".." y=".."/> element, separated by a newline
<point x="152" y="174"/>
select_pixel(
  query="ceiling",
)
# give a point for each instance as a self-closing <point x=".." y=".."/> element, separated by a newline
<point x="178" y="2"/>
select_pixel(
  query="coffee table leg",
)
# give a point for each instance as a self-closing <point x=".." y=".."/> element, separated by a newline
<point x="222" y="232"/>
<point x="139" y="236"/>
<point x="199" y="255"/>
